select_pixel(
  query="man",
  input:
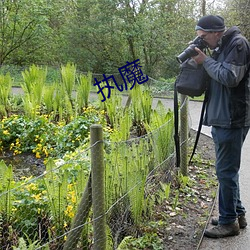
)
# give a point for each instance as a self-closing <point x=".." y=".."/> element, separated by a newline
<point x="228" y="112"/>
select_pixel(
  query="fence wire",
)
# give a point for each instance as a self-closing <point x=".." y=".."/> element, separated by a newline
<point x="43" y="210"/>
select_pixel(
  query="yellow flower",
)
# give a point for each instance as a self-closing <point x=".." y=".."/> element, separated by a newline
<point x="16" y="152"/>
<point x="31" y="187"/>
<point x="38" y="156"/>
<point x="69" y="211"/>
<point x="45" y="151"/>
<point x="6" y="132"/>
<point x="14" y="209"/>
<point x="37" y="196"/>
<point x="73" y="199"/>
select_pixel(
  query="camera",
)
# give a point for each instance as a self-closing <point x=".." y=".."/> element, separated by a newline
<point x="190" y="51"/>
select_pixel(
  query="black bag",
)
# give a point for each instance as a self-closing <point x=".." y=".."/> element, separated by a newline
<point x="192" y="80"/>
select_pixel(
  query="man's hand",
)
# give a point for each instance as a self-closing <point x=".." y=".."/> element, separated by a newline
<point x="200" y="58"/>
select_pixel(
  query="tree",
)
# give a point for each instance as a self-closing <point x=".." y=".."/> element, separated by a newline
<point x="104" y="34"/>
<point x="21" y="21"/>
<point x="237" y="13"/>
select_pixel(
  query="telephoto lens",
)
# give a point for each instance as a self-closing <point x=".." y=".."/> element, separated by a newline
<point x="190" y="50"/>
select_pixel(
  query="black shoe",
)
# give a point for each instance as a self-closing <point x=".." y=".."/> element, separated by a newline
<point x="241" y="219"/>
<point x="221" y="231"/>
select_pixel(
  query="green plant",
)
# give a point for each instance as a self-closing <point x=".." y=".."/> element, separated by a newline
<point x="147" y="241"/>
<point x="114" y="110"/>
<point x="56" y="187"/>
<point x="29" y="244"/>
<point x="122" y="126"/>
<point x="30" y="207"/>
<point x="184" y="181"/>
<point x="68" y="74"/>
<point x="34" y="81"/>
<point x="161" y="126"/>
<point x="176" y="199"/>
<point x="48" y="98"/>
<point x="6" y="196"/>
<point x="43" y="137"/>
<point x="83" y="91"/>
<point x="126" y="173"/>
<point x="142" y="109"/>
<point x="164" y="191"/>
<point x="5" y="90"/>
<point x="146" y="103"/>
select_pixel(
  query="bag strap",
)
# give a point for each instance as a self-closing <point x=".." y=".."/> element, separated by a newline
<point x="199" y="127"/>
<point x="176" y="126"/>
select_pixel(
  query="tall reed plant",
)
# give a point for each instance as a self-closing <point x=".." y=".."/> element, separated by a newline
<point x="141" y="107"/>
<point x="34" y="80"/>
<point x="62" y="106"/>
<point x="56" y="185"/>
<point x="68" y="74"/>
<point x="6" y="184"/>
<point x="126" y="172"/>
<point x="83" y="91"/>
<point x="160" y="131"/>
<point x="48" y="98"/>
<point x="5" y="90"/>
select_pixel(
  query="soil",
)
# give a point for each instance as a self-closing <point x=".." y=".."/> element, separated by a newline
<point x="186" y="223"/>
<point x="25" y="164"/>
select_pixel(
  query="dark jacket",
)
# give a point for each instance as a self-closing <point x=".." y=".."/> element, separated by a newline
<point x="228" y="103"/>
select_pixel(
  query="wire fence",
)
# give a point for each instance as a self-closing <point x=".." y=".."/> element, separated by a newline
<point x="45" y="211"/>
<point x="57" y="209"/>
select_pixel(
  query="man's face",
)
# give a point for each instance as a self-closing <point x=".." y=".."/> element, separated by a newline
<point x="211" y="38"/>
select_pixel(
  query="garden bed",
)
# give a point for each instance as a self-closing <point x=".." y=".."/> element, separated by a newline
<point x="179" y="221"/>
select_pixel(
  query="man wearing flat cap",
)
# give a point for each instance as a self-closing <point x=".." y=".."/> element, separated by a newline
<point x="228" y="113"/>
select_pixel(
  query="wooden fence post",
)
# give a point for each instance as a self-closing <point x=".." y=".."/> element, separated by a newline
<point x="98" y="195"/>
<point x="184" y="135"/>
<point x="80" y="218"/>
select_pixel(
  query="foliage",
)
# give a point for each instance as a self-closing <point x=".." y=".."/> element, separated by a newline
<point x="100" y="36"/>
<point x="51" y="201"/>
<point x="68" y="74"/>
<point x="23" y="28"/>
<point x="45" y="138"/>
<point x="236" y="13"/>
<point x="162" y="141"/>
<point x="147" y="241"/>
<point x="46" y="205"/>
<point x="125" y="31"/>
<point x="30" y="204"/>
<point x="83" y="90"/>
<point x="5" y="90"/>
<point x="34" y="81"/>
<point x="22" y="245"/>
<point x="6" y="184"/>
<point x="142" y="109"/>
